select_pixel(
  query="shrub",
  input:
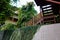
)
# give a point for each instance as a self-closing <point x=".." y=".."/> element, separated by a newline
<point x="25" y="33"/>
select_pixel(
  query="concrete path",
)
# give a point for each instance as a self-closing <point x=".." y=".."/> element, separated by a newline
<point x="48" y="32"/>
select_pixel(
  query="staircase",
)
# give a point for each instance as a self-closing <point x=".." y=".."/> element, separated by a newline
<point x="45" y="17"/>
<point x="48" y="16"/>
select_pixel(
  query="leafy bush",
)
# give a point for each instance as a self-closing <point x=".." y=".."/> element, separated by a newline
<point x="8" y="30"/>
<point x="25" y="33"/>
<point x="8" y="27"/>
<point x="26" y="13"/>
<point x="7" y="34"/>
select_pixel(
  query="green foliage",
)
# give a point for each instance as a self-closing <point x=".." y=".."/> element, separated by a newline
<point x="8" y="27"/>
<point x="15" y="1"/>
<point x="5" y="10"/>
<point x="4" y="5"/>
<point x="25" y="33"/>
<point x="14" y="8"/>
<point x="7" y="34"/>
<point x="26" y="13"/>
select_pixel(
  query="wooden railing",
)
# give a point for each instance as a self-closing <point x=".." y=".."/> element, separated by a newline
<point x="35" y="20"/>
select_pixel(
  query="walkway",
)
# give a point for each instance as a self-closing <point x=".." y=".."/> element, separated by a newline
<point x="48" y="32"/>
